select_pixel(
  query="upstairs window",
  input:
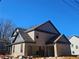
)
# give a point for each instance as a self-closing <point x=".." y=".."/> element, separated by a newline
<point x="76" y="47"/>
<point x="37" y="37"/>
<point x="72" y="45"/>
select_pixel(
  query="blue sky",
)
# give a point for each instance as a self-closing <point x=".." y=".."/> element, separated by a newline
<point x="64" y="14"/>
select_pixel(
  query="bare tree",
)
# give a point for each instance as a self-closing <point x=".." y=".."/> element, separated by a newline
<point x="6" y="28"/>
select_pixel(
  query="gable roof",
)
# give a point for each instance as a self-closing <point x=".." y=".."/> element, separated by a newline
<point x="58" y="40"/>
<point x="36" y="27"/>
<point x="20" y="29"/>
<point x="62" y="36"/>
<point x="52" y="39"/>
<point x="26" y="37"/>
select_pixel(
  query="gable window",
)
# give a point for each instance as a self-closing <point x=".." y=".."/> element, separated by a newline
<point x="14" y="48"/>
<point x="37" y="37"/>
<point x="21" y="49"/>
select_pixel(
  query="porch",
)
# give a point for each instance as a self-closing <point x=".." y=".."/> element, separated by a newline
<point x="40" y="51"/>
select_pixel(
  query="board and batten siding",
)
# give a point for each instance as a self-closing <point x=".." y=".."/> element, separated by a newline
<point x="42" y="37"/>
<point x="17" y="47"/>
<point x="63" y="49"/>
<point x="17" y="50"/>
<point x="19" y="39"/>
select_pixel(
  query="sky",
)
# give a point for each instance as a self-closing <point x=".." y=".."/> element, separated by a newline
<point x="64" y="14"/>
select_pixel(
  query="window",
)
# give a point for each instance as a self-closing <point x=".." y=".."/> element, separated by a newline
<point x="73" y="52"/>
<point x="21" y="48"/>
<point x="14" y="48"/>
<point x="76" y="47"/>
<point x="37" y="37"/>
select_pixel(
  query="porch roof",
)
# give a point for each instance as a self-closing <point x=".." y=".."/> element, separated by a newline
<point x="57" y="39"/>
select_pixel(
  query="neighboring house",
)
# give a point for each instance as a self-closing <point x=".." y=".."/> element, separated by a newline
<point x="42" y="40"/>
<point x="74" y="45"/>
<point x="4" y="49"/>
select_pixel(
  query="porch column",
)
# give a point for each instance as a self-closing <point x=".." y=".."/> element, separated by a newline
<point x="55" y="50"/>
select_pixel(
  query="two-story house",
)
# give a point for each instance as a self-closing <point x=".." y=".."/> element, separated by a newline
<point x="42" y="40"/>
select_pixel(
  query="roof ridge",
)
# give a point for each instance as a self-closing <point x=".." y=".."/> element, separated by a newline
<point x="34" y="27"/>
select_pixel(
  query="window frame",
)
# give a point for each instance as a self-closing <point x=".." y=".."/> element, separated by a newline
<point x="76" y="46"/>
<point x="21" y="49"/>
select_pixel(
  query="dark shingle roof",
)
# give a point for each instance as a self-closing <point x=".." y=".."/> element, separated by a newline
<point x="51" y="40"/>
<point x="26" y="37"/>
<point x="56" y="39"/>
<point x="35" y="27"/>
